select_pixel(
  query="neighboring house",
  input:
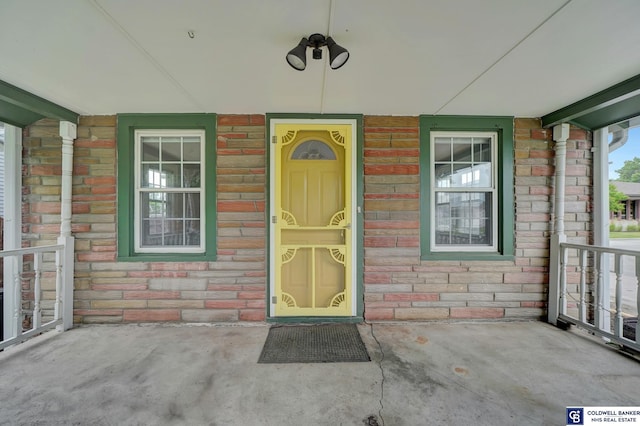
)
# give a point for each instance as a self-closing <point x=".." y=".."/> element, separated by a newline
<point x="631" y="210"/>
<point x="415" y="188"/>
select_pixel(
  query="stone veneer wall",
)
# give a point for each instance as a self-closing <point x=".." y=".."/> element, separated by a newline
<point x="398" y="285"/>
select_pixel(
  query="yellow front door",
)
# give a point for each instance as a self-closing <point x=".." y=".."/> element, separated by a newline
<point x="312" y="220"/>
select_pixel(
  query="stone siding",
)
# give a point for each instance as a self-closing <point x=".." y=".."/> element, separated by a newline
<point x="398" y="285"/>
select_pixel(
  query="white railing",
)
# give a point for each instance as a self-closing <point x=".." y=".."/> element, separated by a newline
<point x="42" y="309"/>
<point x="592" y="290"/>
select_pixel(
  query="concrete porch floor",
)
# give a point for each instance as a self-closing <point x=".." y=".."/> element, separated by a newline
<point x="522" y="373"/>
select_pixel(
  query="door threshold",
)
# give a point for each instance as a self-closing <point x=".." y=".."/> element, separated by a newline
<point x="314" y="320"/>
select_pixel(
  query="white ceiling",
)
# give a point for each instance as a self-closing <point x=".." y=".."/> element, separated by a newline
<point x="408" y="57"/>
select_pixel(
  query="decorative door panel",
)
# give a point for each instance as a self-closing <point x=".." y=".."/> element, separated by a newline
<point x="312" y="235"/>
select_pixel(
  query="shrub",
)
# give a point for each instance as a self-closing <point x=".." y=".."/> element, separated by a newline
<point x="632" y="228"/>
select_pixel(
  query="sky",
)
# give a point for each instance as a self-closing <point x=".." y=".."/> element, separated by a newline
<point x="625" y="152"/>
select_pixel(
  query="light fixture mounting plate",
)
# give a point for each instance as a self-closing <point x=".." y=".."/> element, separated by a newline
<point x="317" y="40"/>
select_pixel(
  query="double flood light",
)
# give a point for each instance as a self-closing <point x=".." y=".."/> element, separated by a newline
<point x="297" y="57"/>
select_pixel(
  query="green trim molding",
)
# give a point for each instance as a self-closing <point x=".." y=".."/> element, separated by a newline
<point x="21" y="108"/>
<point x="506" y="214"/>
<point x="359" y="202"/>
<point x="612" y="105"/>
<point x="127" y="125"/>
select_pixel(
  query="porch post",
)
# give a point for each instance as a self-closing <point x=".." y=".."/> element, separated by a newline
<point x="12" y="227"/>
<point x="560" y="136"/>
<point x="68" y="132"/>
<point x="601" y="215"/>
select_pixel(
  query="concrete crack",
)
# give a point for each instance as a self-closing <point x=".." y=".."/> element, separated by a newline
<point x="381" y="373"/>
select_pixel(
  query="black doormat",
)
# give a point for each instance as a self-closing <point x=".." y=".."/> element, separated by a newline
<point x="313" y="343"/>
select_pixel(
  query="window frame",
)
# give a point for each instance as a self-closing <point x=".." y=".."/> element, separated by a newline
<point x="502" y="126"/>
<point x="492" y="189"/>
<point x="127" y="125"/>
<point x="139" y="134"/>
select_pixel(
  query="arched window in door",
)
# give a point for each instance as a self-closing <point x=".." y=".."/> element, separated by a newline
<point x="313" y="150"/>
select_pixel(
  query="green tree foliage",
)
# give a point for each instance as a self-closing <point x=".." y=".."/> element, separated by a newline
<point x="615" y="199"/>
<point x="630" y="171"/>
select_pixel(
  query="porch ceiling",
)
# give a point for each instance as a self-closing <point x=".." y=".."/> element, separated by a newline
<point x="492" y="57"/>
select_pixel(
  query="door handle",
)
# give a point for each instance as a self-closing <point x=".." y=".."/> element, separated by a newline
<point x="347" y="226"/>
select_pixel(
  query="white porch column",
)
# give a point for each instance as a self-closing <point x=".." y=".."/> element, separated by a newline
<point x="560" y="136"/>
<point x="12" y="227"/>
<point x="68" y="132"/>
<point x="601" y="211"/>
<point x="601" y="187"/>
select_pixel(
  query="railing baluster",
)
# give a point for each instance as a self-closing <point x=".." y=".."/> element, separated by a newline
<point x="637" y="298"/>
<point x="618" y="270"/>
<point x="563" y="280"/>
<point x="17" y="307"/>
<point x="582" y="306"/>
<point x="599" y="317"/>
<point x="37" y="294"/>
<point x="57" y="305"/>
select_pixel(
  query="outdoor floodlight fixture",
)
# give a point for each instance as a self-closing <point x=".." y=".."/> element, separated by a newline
<point x="297" y="57"/>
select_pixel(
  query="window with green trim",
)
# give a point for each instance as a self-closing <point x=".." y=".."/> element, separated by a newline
<point x="166" y="187"/>
<point x="467" y="207"/>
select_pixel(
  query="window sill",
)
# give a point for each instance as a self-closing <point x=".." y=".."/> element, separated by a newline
<point x="466" y="256"/>
<point x="167" y="257"/>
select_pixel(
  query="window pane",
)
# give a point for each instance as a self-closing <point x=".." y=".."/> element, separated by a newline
<point x="461" y="149"/>
<point x="174" y="233"/>
<point x="172" y="175"/>
<point x="151" y="232"/>
<point x="153" y="204"/>
<point x="150" y="149"/>
<point x="481" y="150"/>
<point x="442" y="149"/>
<point x="191" y="150"/>
<point x="443" y="175"/>
<point x="461" y="175"/>
<point x="481" y="175"/>
<point x="175" y="206"/>
<point x="171" y="151"/>
<point x="192" y="205"/>
<point x="463" y="218"/>
<point x="151" y="177"/>
<point x="191" y="175"/>
<point x="192" y="234"/>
